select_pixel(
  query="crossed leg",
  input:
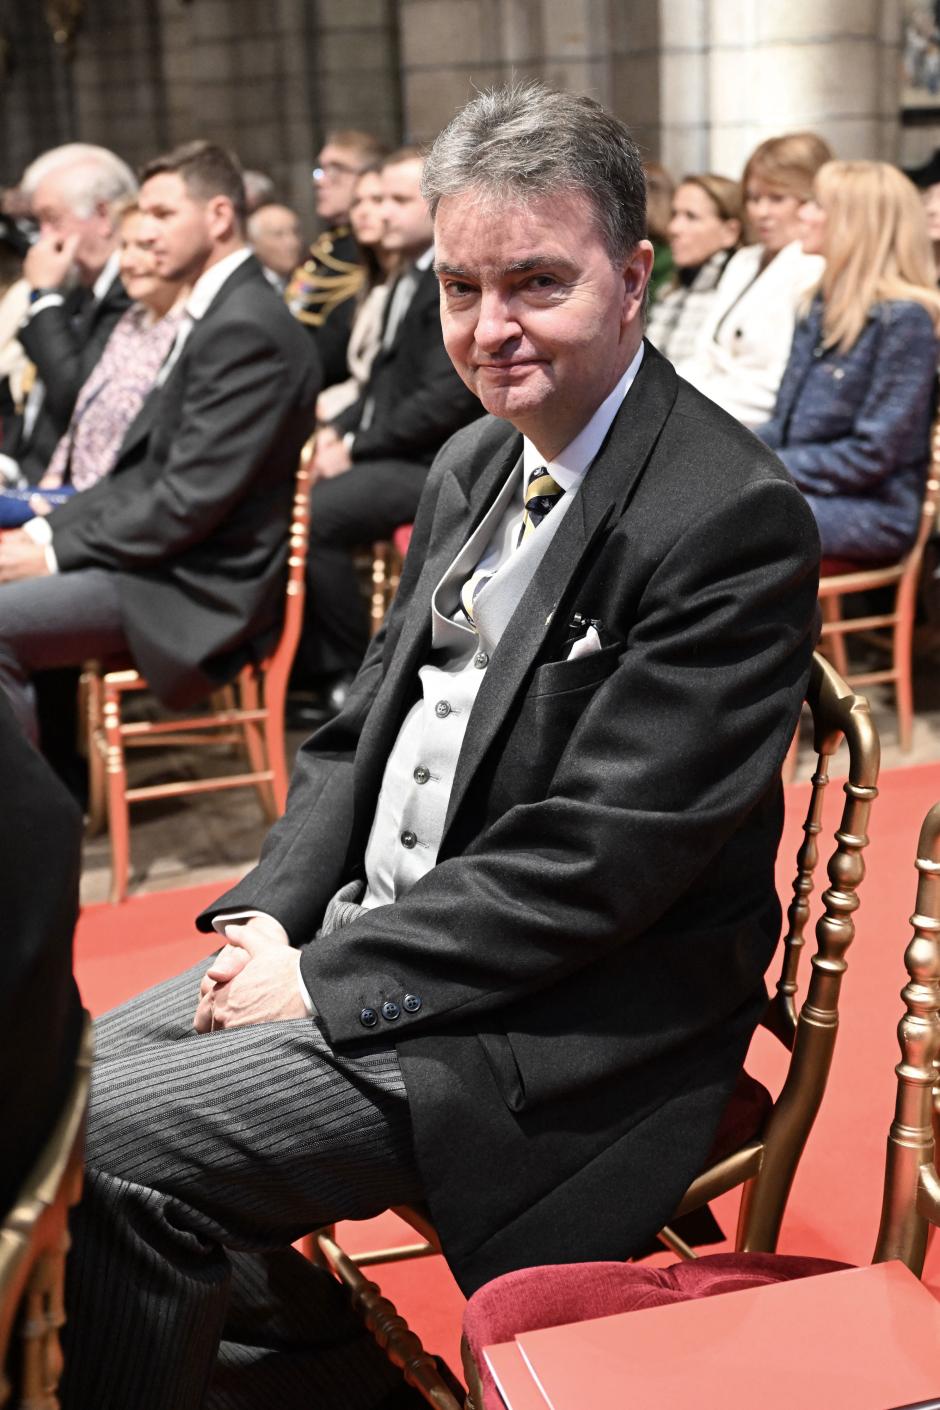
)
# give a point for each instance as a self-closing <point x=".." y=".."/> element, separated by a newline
<point x="206" y="1157"/>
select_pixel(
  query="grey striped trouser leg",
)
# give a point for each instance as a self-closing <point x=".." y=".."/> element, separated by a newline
<point x="202" y="1152"/>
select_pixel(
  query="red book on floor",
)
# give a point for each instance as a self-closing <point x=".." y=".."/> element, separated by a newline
<point x="862" y="1339"/>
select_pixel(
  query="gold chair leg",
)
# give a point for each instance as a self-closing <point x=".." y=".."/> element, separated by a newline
<point x="901" y="641"/>
<point x="90" y="685"/>
<point x="831" y="608"/>
<point x="119" y="821"/>
<point x="254" y="737"/>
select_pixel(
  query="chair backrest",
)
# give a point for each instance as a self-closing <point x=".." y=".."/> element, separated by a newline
<point x="810" y="1033"/>
<point x="912" y="1186"/>
<point x="282" y="656"/>
<point x="33" y="1242"/>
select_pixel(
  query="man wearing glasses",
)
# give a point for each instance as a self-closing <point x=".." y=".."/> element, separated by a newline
<point x="323" y="289"/>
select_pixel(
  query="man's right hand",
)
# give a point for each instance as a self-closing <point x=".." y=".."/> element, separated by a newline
<point x="232" y="959"/>
<point x="49" y="262"/>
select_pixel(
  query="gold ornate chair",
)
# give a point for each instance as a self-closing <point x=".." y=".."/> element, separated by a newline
<point x="249" y="715"/>
<point x="760" y="1142"/>
<point x="889" y="630"/>
<point x="910" y="1205"/>
<point x="33" y="1244"/>
<point x="387" y="559"/>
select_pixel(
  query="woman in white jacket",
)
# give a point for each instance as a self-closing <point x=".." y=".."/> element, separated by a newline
<point x="744" y="344"/>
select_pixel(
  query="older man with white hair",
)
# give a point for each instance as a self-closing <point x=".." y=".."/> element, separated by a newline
<point x="75" y="193"/>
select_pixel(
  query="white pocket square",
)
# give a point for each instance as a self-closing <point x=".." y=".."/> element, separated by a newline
<point x="585" y="645"/>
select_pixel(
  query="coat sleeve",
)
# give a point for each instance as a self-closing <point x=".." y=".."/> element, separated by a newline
<point x="890" y="427"/>
<point x="51" y="343"/>
<point x="662" y="767"/>
<point x="232" y="410"/>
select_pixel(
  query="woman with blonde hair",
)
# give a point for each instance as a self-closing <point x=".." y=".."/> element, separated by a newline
<point x="704" y="231"/>
<point x="743" y="345"/>
<point x="852" y="420"/>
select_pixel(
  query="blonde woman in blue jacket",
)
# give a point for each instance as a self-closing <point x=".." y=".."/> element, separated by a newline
<point x="852" y="420"/>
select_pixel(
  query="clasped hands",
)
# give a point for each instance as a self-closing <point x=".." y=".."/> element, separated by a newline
<point x="21" y="557"/>
<point x="330" y="457"/>
<point x="253" y="979"/>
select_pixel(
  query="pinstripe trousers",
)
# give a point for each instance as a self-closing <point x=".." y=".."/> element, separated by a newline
<point x="207" y="1155"/>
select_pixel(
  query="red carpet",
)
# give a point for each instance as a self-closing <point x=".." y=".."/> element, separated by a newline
<point x="836" y="1200"/>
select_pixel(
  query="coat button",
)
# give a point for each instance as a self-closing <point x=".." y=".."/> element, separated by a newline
<point x="442" y="709"/>
<point x="391" y="1011"/>
<point x="481" y="660"/>
<point x="411" y="1003"/>
<point x="421" y="774"/>
<point x="409" y="840"/>
<point x="368" y="1018"/>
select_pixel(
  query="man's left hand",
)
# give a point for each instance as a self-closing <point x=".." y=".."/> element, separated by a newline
<point x="20" y="557"/>
<point x="331" y="456"/>
<point x="263" y="989"/>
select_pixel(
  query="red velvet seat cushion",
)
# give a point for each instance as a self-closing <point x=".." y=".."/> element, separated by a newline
<point x="402" y="538"/>
<point x="835" y="567"/>
<point x="550" y="1296"/>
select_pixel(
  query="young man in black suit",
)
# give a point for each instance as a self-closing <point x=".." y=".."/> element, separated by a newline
<point x="178" y="557"/>
<point x="76" y="295"/>
<point x="373" y="461"/>
<point x="505" y="950"/>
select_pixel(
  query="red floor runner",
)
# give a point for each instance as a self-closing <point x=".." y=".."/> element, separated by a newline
<point x="835" y="1204"/>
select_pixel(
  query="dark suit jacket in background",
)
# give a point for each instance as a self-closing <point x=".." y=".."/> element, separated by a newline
<point x="40" y="1014"/>
<point x="64" y="342"/>
<point x="194" y="517"/>
<point x="589" y="949"/>
<point x="419" y="398"/>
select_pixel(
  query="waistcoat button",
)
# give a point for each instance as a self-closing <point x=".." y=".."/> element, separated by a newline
<point x="442" y="709"/>
<point x="408" y="839"/>
<point x="421" y="774"/>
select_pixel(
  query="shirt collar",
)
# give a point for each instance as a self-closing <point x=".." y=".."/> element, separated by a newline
<point x="107" y="277"/>
<point x="426" y="260"/>
<point x="208" y="284"/>
<point x="571" y="465"/>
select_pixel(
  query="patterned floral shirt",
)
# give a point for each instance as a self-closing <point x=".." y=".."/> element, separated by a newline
<point x="111" y="398"/>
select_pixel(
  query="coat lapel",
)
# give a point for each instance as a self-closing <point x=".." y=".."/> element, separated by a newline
<point x="604" y="494"/>
<point x="465" y="496"/>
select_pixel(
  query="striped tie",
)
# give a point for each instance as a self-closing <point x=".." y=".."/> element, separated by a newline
<point x="541" y="495"/>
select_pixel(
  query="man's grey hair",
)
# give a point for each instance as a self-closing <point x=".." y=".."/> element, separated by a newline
<point x="92" y="176"/>
<point x="526" y="141"/>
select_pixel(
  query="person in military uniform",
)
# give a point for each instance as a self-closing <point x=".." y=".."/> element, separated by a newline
<point x="322" y="291"/>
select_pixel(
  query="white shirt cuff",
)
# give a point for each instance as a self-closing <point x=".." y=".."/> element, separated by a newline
<point x="40" y="531"/>
<point x="224" y="918"/>
<point x="47" y="301"/>
<point x="348" y="439"/>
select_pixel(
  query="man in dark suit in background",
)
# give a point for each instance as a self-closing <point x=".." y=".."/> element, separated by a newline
<point x="179" y="555"/>
<point x="505" y="950"/>
<point x="373" y="461"/>
<point x="40" y="1013"/>
<point x="75" y="194"/>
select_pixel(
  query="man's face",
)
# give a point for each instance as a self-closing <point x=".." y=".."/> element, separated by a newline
<point x="538" y="320"/>
<point x="405" y="215"/>
<point x="177" y="227"/>
<point x="275" y="235"/>
<point x="334" y="181"/>
<point x="52" y="209"/>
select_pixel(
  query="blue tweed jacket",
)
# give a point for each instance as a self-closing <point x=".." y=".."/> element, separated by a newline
<point x="853" y="428"/>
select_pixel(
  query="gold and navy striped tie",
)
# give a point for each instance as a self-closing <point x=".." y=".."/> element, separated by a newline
<point x="542" y="493"/>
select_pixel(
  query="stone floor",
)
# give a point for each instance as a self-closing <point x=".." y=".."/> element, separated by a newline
<point x="186" y="841"/>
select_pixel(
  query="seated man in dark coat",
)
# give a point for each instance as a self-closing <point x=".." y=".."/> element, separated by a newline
<point x="179" y="556"/>
<point x="76" y="297"/>
<point x="505" y="950"/>
<point x="40" y="1014"/>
